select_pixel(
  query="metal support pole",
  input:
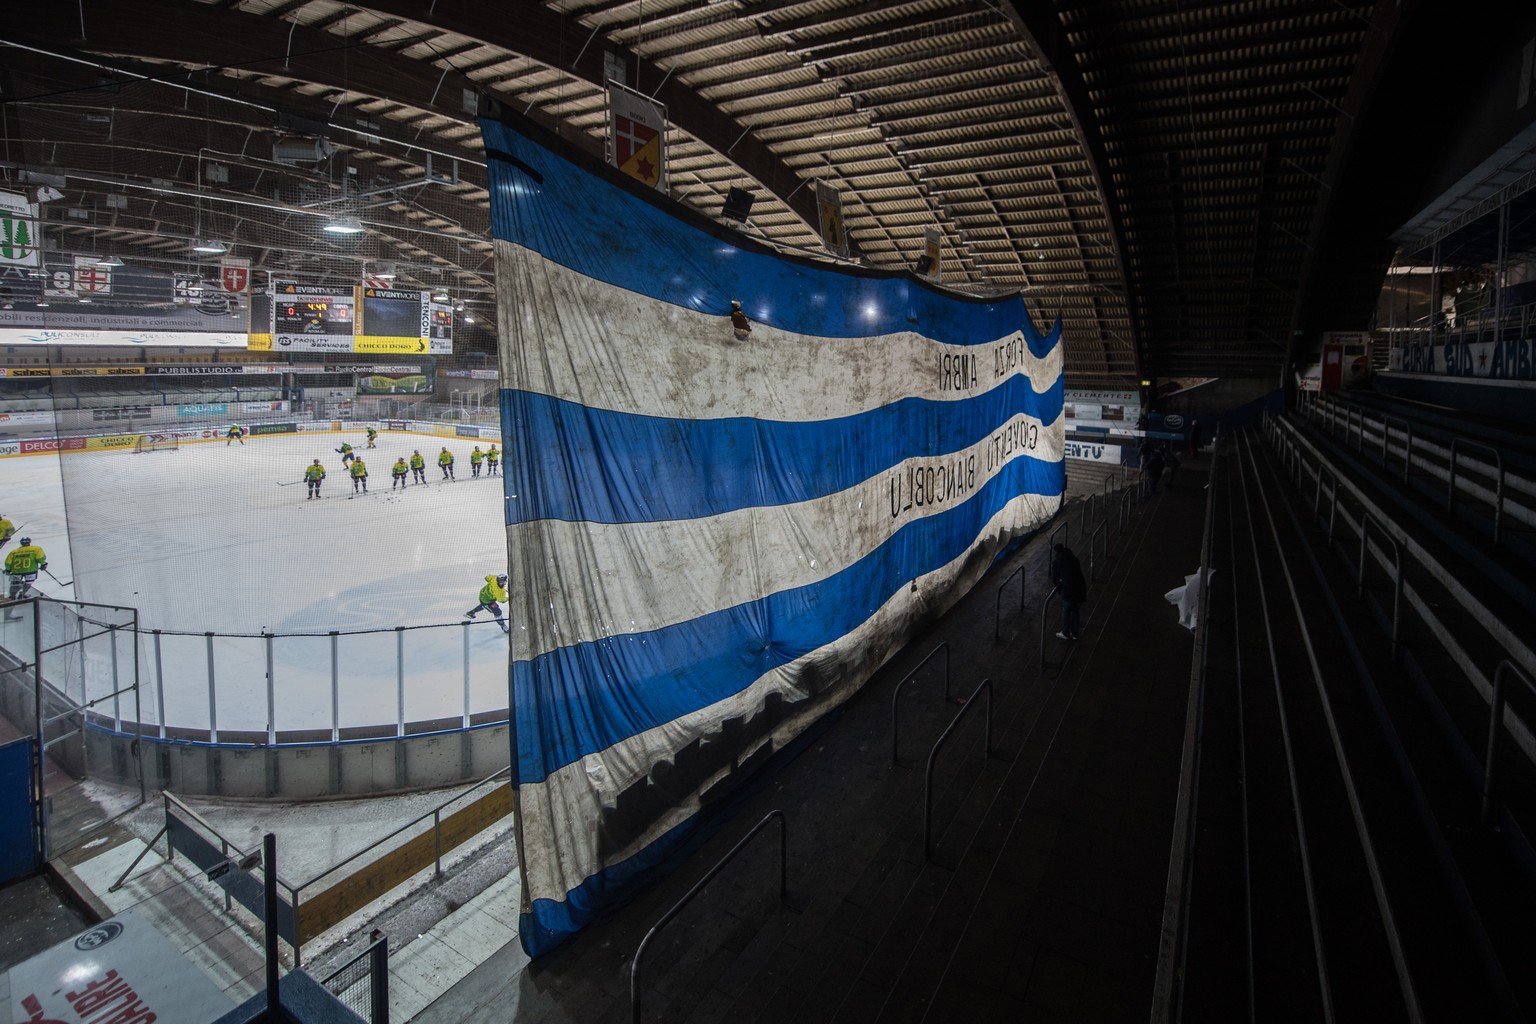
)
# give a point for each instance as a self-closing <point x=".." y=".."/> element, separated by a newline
<point x="117" y="705"/>
<point x="335" y="691"/>
<point x="213" y="703"/>
<point x="269" y="931"/>
<point x="271" y="695"/>
<point x="400" y="680"/>
<point x="159" y="683"/>
<point x="465" y="626"/>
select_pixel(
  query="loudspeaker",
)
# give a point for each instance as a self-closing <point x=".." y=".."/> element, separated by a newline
<point x="738" y="203"/>
<point x="923" y="265"/>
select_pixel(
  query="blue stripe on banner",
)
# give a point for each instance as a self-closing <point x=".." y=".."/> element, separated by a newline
<point x="577" y="464"/>
<point x="629" y="683"/>
<point x="627" y="236"/>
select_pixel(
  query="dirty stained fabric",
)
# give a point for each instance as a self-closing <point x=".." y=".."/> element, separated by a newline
<point x="715" y="540"/>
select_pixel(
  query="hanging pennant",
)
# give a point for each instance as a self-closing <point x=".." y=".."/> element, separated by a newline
<point x="637" y="129"/>
<point x="829" y="210"/>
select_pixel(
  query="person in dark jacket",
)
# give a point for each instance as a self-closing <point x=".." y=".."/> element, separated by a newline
<point x="1067" y="574"/>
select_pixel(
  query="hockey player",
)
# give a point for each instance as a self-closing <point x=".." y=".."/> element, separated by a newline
<point x="495" y="590"/>
<point x="398" y="472"/>
<point x="235" y="433"/>
<point x="492" y="459"/>
<point x="418" y="467"/>
<point x="23" y="565"/>
<point x="373" y="435"/>
<point x="475" y="458"/>
<point x="312" y="476"/>
<point x="7" y="529"/>
<point x="445" y="463"/>
<point x="359" y="475"/>
<point x="345" y="451"/>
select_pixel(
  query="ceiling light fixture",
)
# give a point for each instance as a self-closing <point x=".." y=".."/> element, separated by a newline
<point x="344" y="226"/>
<point x="209" y="245"/>
<point x="110" y="261"/>
<point x="439" y="296"/>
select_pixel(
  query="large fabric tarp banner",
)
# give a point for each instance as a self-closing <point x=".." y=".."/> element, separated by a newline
<point x="719" y="527"/>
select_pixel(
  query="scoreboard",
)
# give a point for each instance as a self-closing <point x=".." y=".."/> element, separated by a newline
<point x="328" y="318"/>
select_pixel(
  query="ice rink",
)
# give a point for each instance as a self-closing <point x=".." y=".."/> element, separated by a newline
<point x="204" y="539"/>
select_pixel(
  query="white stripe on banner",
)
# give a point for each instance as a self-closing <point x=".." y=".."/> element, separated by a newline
<point x="560" y="844"/>
<point x="637" y="577"/>
<point x="613" y="357"/>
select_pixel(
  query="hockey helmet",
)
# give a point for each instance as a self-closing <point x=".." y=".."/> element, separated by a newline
<point x="502" y="579"/>
<point x="25" y="541"/>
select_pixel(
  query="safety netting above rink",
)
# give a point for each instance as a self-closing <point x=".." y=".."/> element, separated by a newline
<point x="717" y="535"/>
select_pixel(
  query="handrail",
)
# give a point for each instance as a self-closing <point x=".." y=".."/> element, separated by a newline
<point x="433" y="813"/>
<point x="986" y="750"/>
<point x="1333" y="497"/>
<point x="1366" y="520"/>
<point x="1050" y="542"/>
<point x="1498" y="489"/>
<point x="1386" y="421"/>
<point x="895" y="738"/>
<point x="1125" y="497"/>
<point x="1102" y="528"/>
<point x="997" y="613"/>
<point x="1044" y="605"/>
<point x="1495" y="716"/>
<point x="634" y="964"/>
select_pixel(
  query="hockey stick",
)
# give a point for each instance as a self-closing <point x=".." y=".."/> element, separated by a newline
<point x="290" y="483"/>
<point x="55" y="578"/>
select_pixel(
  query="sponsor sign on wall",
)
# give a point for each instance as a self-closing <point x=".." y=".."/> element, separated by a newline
<point x="1085" y="451"/>
<point x="274" y="428"/>
<point x="1495" y="360"/>
<point x="10" y="448"/>
<point x="205" y="409"/>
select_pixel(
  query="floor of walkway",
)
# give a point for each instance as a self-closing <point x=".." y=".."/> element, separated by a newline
<point x="1044" y="897"/>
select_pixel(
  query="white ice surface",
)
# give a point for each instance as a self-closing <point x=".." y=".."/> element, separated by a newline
<point x="203" y="539"/>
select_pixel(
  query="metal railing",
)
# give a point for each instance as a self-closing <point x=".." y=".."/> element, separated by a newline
<point x="986" y="750"/>
<point x="1495" y="717"/>
<point x="634" y="964"/>
<point x="362" y="983"/>
<point x="275" y="683"/>
<point x="1386" y="432"/>
<point x="1125" y="500"/>
<point x="1366" y="521"/>
<point x="997" y="614"/>
<point x="436" y="814"/>
<point x="1323" y="469"/>
<point x="943" y="648"/>
<point x="1498" y="489"/>
<point x="1044" y="608"/>
<point x="1101" y="530"/>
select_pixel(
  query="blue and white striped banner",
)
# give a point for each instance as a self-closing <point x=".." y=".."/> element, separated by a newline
<point x="716" y="539"/>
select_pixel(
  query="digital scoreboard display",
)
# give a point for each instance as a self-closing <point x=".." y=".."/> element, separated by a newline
<point x="328" y="318"/>
<point x="313" y="318"/>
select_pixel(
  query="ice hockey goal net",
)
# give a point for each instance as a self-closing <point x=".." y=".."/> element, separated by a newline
<point x="155" y="443"/>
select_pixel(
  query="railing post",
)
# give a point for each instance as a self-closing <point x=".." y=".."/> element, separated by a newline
<point x="213" y="703"/>
<point x="378" y="987"/>
<point x="997" y="611"/>
<point x="465" y="627"/>
<point x="635" y="961"/>
<point x="1044" y="607"/>
<point x="1366" y="520"/>
<point x="271" y="694"/>
<point x="896" y="695"/>
<point x="437" y="842"/>
<point x="117" y="709"/>
<point x="399" y="680"/>
<point x="1101" y="530"/>
<point x="1495" y="722"/>
<point x="1498" y="487"/>
<point x="159" y="683"/>
<point x="335" y="690"/>
<point x="986" y="752"/>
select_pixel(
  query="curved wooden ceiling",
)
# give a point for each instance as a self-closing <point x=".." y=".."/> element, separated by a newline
<point x="1149" y="170"/>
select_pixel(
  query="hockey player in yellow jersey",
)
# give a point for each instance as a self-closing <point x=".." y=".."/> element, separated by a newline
<point x="313" y="474"/>
<point x="359" y="475"/>
<point x="23" y="565"/>
<point x="398" y="473"/>
<point x="494" y="591"/>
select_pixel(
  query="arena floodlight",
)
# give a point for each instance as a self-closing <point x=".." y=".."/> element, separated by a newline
<point x="210" y="245"/>
<point x="343" y="226"/>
